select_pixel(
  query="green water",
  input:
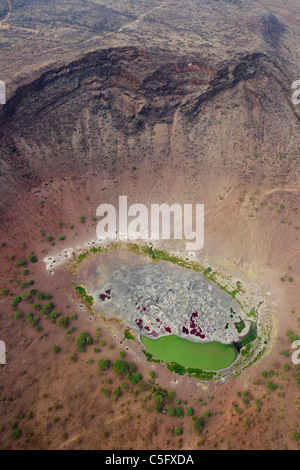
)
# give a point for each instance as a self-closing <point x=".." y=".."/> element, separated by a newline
<point x="206" y="356"/>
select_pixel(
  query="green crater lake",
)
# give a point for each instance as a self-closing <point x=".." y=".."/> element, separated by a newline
<point x="207" y="356"/>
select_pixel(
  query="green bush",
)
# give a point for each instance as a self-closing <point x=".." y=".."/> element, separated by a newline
<point x="179" y="412"/>
<point x="16" y="433"/>
<point x="120" y="367"/>
<point x="32" y="258"/>
<point x="18" y="314"/>
<point x="16" y="300"/>
<point x="135" y="378"/>
<point x="170" y="410"/>
<point x="83" y="339"/>
<point x="117" y="393"/>
<point x="103" y="364"/>
<point x="54" y="314"/>
<point x="271" y="385"/>
<point x="20" y="262"/>
<point x="47" y="307"/>
<point x="62" y="322"/>
<point x="158" y="396"/>
<point x="32" y="320"/>
<point x="198" y="425"/>
<point x="25" y="295"/>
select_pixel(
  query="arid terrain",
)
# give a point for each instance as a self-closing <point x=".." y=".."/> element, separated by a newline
<point x="162" y="101"/>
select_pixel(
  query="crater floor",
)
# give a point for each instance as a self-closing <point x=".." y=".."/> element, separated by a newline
<point x="161" y="299"/>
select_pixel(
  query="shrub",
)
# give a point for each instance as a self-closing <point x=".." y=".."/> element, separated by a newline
<point x="18" y="314"/>
<point x="117" y="393"/>
<point x="31" y="319"/>
<point x="189" y="411"/>
<point x="16" y="300"/>
<point x="53" y="315"/>
<point x="271" y="385"/>
<point x="25" y="295"/>
<point x="158" y="396"/>
<point x="103" y="364"/>
<point x="40" y="295"/>
<point x="198" y="425"/>
<point x="179" y="412"/>
<point x="135" y="378"/>
<point x="128" y="335"/>
<point x="285" y="353"/>
<point x="120" y="367"/>
<point x="20" y="262"/>
<point x="237" y="409"/>
<point x="47" y="307"/>
<point x="62" y="322"/>
<point x="170" y="410"/>
<point x="56" y="349"/>
<point x="83" y="339"/>
<point x="178" y="430"/>
<point x="16" y="433"/>
<point x="32" y="258"/>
